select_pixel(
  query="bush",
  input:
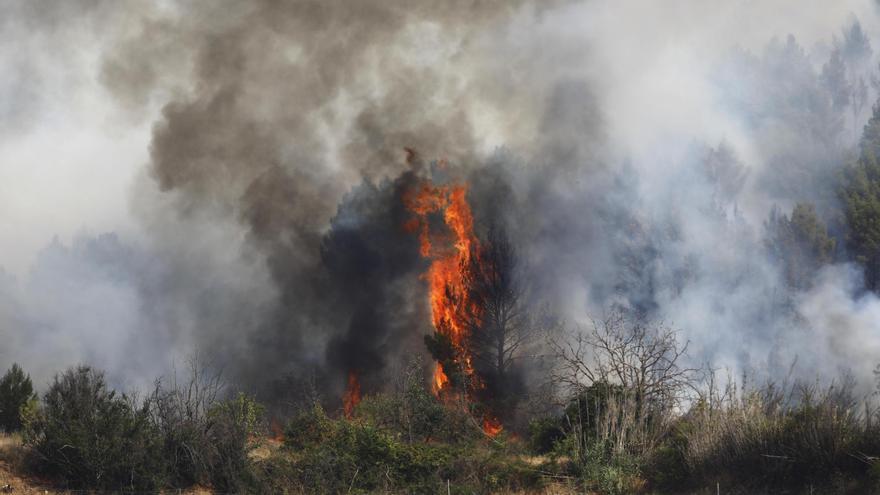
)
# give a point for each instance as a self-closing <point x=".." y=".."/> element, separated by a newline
<point x="16" y="390"/>
<point x="308" y="428"/>
<point x="92" y="438"/>
<point x="204" y="439"/>
<point x="545" y="433"/>
<point x="414" y="414"/>
<point x="781" y="437"/>
<point x="325" y="455"/>
<point x="89" y="437"/>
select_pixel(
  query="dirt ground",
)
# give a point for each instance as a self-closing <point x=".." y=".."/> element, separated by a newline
<point x="10" y="481"/>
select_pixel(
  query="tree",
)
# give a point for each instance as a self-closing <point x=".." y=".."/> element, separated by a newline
<point x="16" y="390"/>
<point x="800" y="243"/>
<point x="500" y="321"/>
<point x="860" y="194"/>
<point x="835" y="80"/>
<point x="625" y="378"/>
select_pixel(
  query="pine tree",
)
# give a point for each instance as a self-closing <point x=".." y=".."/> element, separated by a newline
<point x="800" y="243"/>
<point x="860" y="195"/>
<point x="16" y="390"/>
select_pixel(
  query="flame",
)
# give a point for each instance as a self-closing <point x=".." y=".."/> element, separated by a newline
<point x="451" y="254"/>
<point x="352" y="395"/>
<point x="491" y="426"/>
<point x="448" y="252"/>
<point x="276" y="429"/>
<point x="440" y="379"/>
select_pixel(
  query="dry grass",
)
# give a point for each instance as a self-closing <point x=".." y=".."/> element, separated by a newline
<point x="11" y="455"/>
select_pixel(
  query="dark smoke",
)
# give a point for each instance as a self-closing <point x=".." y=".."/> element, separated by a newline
<point x="631" y="153"/>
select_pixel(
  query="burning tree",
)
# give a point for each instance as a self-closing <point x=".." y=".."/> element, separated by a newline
<point x="479" y="305"/>
<point x="500" y="324"/>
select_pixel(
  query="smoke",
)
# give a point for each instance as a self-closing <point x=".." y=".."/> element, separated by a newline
<point x="632" y="150"/>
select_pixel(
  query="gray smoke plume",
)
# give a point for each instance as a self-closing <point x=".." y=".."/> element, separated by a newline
<point x="633" y="151"/>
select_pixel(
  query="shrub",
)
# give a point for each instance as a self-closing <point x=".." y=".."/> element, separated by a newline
<point x="413" y="413"/>
<point x="325" y="455"/>
<point x="90" y="437"/>
<point x="308" y="428"/>
<point x="229" y="424"/>
<point x="780" y="437"/>
<point x="203" y="439"/>
<point x="545" y="433"/>
<point x="16" y="390"/>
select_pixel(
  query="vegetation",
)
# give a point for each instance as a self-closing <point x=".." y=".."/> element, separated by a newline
<point x="621" y="410"/>
<point x="799" y="243"/>
<point x="16" y="391"/>
<point x="641" y="424"/>
<point x="87" y="436"/>
<point x="860" y="195"/>
<point x="91" y="437"/>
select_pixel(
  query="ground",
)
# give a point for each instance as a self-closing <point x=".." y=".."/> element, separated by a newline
<point x="10" y="479"/>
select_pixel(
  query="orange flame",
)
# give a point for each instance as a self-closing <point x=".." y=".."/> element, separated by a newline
<point x="352" y="395"/>
<point x="277" y="430"/>
<point x="491" y="426"/>
<point x="440" y="379"/>
<point x="450" y="254"/>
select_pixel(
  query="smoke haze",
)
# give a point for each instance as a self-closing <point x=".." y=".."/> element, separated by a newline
<point x="226" y="177"/>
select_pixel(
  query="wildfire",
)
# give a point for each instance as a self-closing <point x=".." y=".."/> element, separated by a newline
<point x="450" y="254"/>
<point x="492" y="426"/>
<point x="352" y="395"/>
<point x="277" y="430"/>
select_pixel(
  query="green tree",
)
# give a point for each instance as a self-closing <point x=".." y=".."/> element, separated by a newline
<point x="800" y="243"/>
<point x="16" y="390"/>
<point x="835" y="80"/>
<point x="860" y="194"/>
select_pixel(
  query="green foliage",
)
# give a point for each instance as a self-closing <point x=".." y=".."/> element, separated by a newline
<point x="611" y="474"/>
<point x="247" y="412"/>
<point x="308" y="428"/>
<point x="416" y="415"/>
<point x="545" y="433"/>
<point x="29" y="413"/>
<point x="16" y="390"/>
<point x="226" y="430"/>
<point x="374" y="452"/>
<point x="88" y="436"/>
<point x="800" y="243"/>
<point x="204" y="440"/>
<point x="443" y="351"/>
<point x="860" y="194"/>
